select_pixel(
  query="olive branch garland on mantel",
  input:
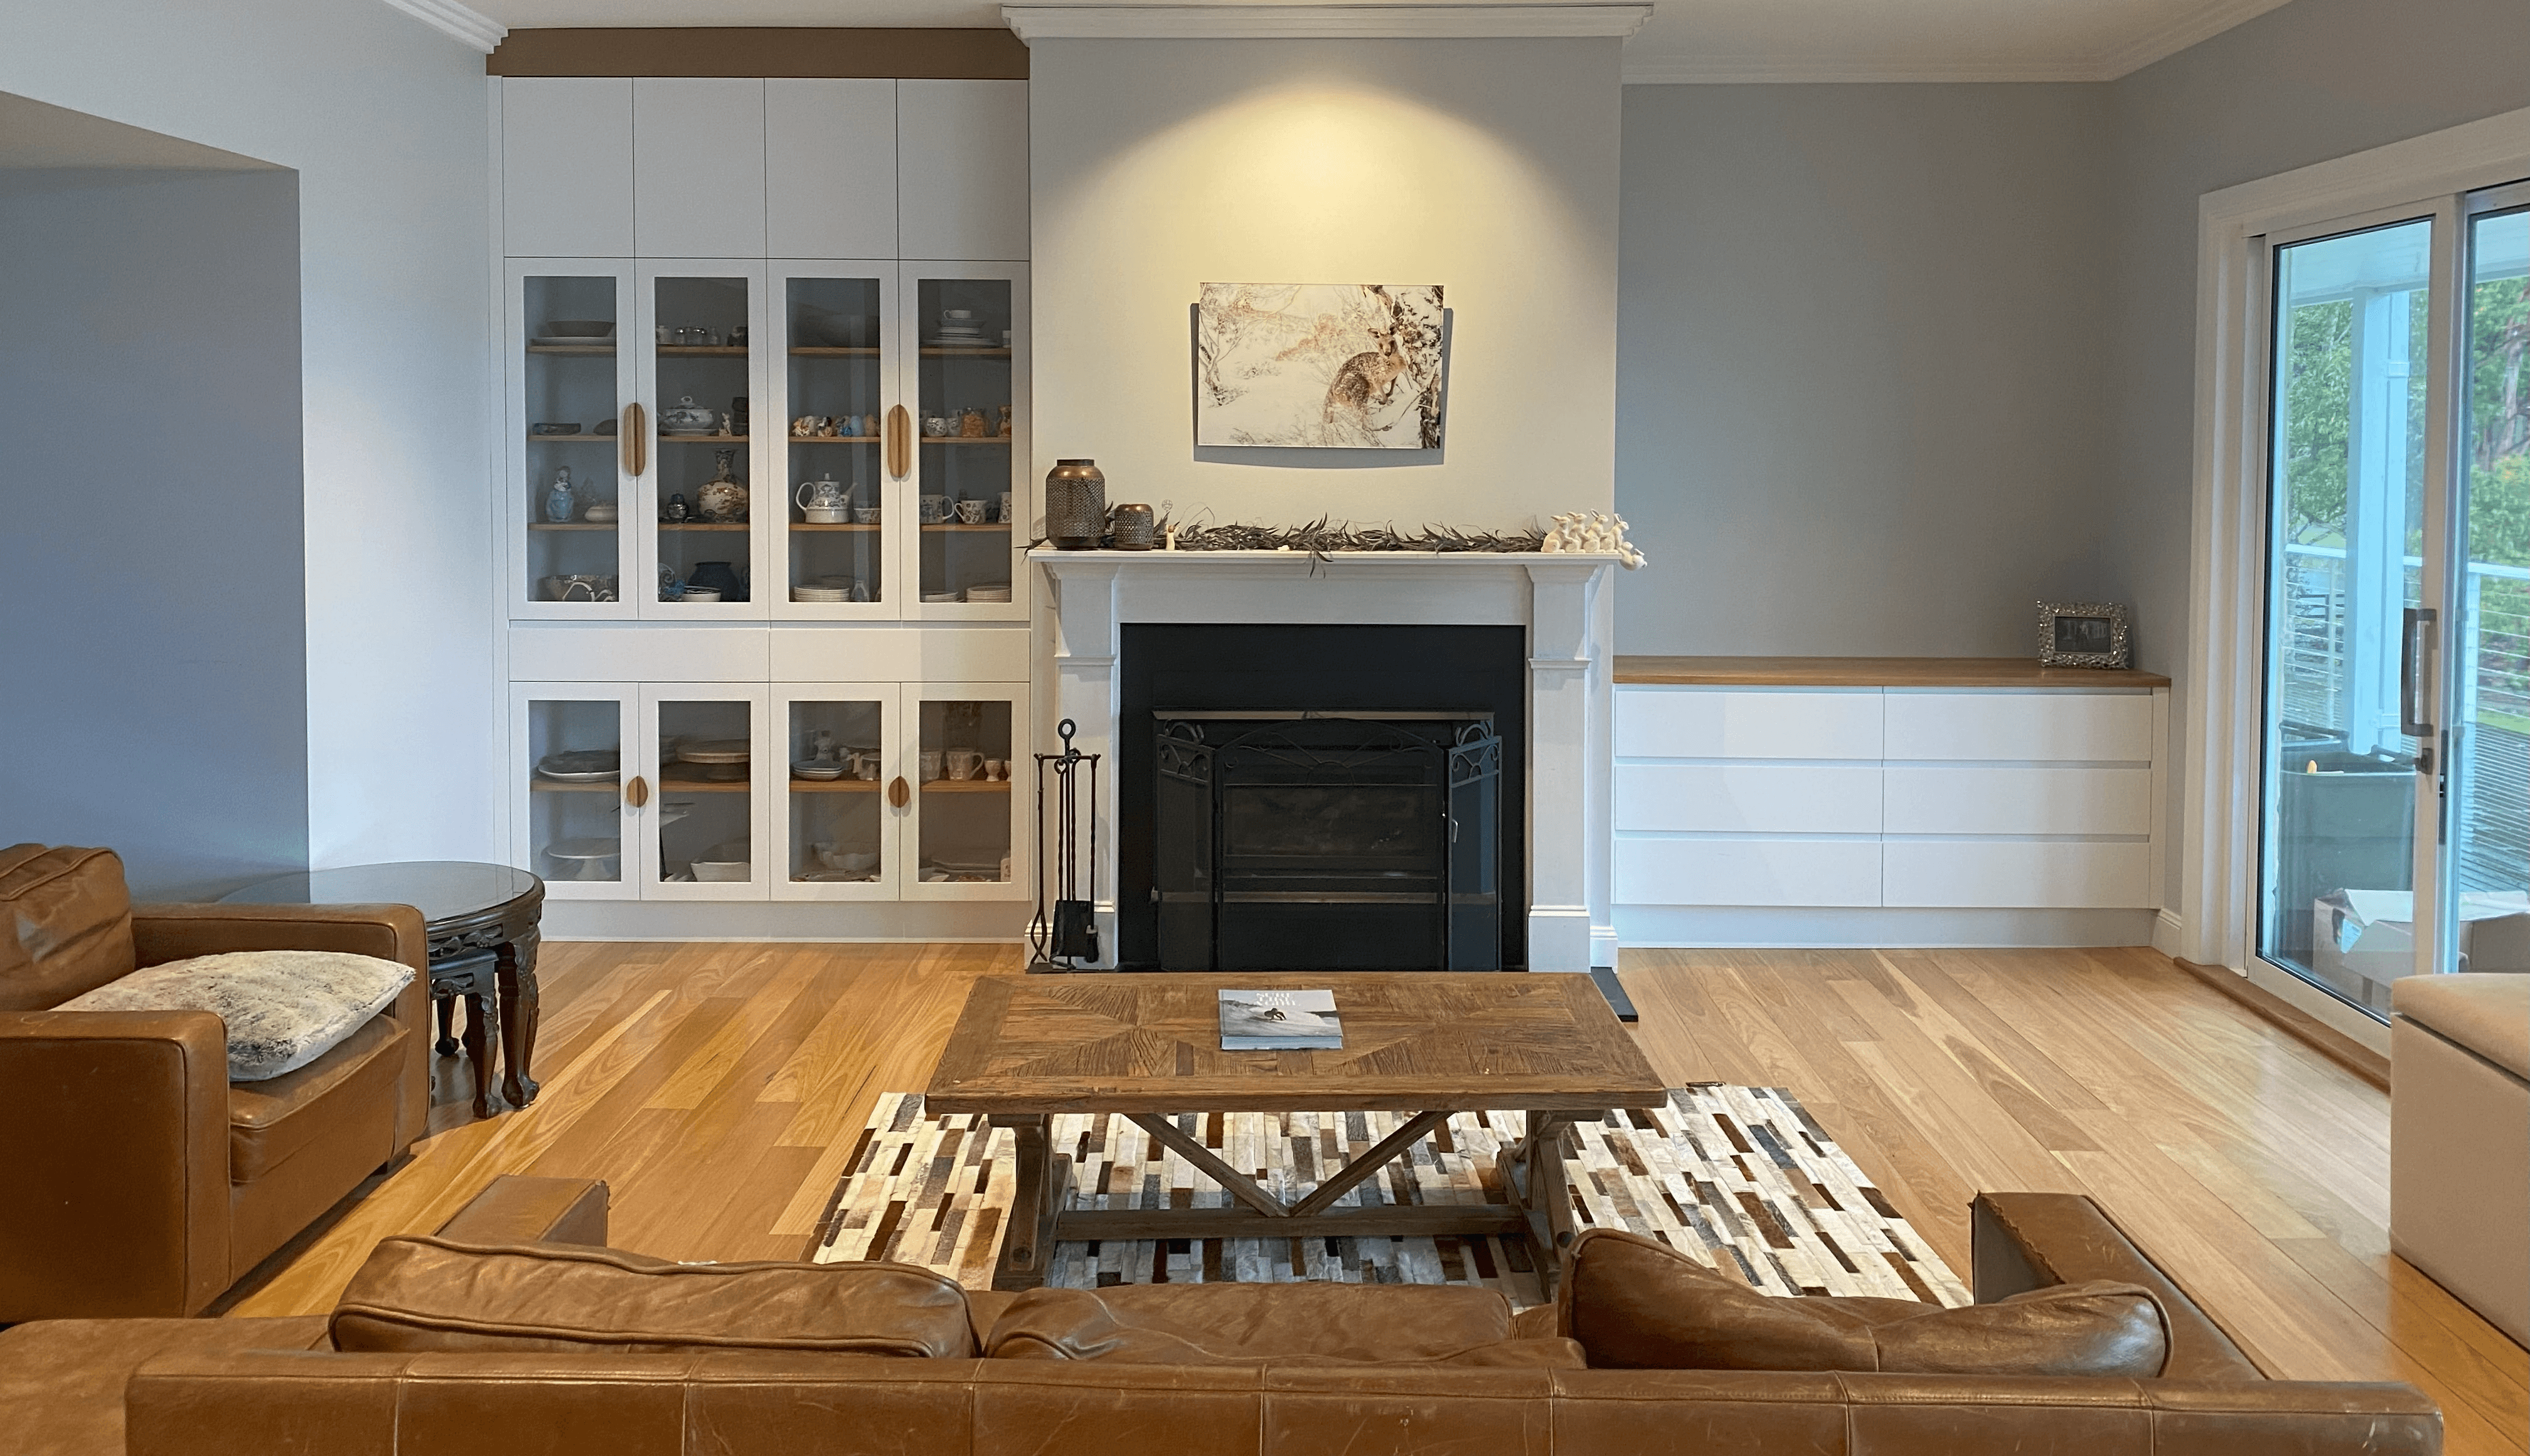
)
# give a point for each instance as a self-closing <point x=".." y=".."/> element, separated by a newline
<point x="1573" y="531"/>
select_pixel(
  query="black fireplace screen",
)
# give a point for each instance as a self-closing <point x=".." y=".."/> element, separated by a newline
<point x="1356" y="841"/>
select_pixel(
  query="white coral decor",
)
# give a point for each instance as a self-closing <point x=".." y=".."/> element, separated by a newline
<point x="1594" y="532"/>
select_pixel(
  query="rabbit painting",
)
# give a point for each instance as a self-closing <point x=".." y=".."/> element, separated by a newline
<point x="1285" y="365"/>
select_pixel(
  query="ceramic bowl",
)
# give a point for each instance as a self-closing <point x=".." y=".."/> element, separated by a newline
<point x="700" y="594"/>
<point x="833" y="860"/>
<point x="599" y="514"/>
<point x="722" y="871"/>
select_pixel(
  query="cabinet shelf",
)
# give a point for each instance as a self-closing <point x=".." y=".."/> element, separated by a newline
<point x="835" y="785"/>
<point x="967" y="786"/>
<point x="571" y="526"/>
<point x="688" y="779"/>
<point x="548" y="785"/>
<point x="965" y="439"/>
<point x="833" y="439"/>
<point x="702" y="525"/>
<point x="820" y="525"/>
<point x="702" y="350"/>
<point x="533" y="439"/>
<point x="931" y="353"/>
<point x="821" y="352"/>
<point x="959" y="525"/>
<point x="585" y="350"/>
<point x="668" y="439"/>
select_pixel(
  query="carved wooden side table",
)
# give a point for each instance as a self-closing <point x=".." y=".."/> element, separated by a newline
<point x="481" y="921"/>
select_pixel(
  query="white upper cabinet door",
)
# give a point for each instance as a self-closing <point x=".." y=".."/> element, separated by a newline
<point x="961" y="182"/>
<point x="567" y="167"/>
<point x="830" y="168"/>
<point x="698" y="154"/>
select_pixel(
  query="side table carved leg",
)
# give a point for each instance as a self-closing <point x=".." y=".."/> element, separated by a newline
<point x="518" y="1012"/>
<point x="482" y="1039"/>
<point x="446" y="1045"/>
<point x="1027" y="1244"/>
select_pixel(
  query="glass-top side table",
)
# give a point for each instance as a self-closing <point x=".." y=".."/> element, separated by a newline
<point x="481" y="926"/>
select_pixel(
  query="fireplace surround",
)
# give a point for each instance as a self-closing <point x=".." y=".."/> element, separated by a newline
<point x="1548" y="687"/>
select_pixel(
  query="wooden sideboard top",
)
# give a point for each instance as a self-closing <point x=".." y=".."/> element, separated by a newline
<point x="1874" y="672"/>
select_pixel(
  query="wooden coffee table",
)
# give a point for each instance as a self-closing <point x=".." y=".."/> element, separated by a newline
<point x="1147" y="1046"/>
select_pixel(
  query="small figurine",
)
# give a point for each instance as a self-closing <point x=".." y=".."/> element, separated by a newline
<point x="560" y="504"/>
<point x="805" y="427"/>
<point x="724" y="423"/>
<point x="1006" y="422"/>
<point x="675" y="509"/>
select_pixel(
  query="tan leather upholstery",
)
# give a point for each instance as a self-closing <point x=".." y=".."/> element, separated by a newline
<point x="61" y="1380"/>
<point x="141" y="1183"/>
<point x="2024" y="1241"/>
<point x="70" y="925"/>
<point x="2459" y="1139"/>
<point x="427" y="1294"/>
<point x="1320" y="1324"/>
<point x="204" y="1389"/>
<point x="1636" y="1302"/>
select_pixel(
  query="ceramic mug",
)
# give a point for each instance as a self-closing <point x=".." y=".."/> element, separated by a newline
<point x="865" y="516"/>
<point x="965" y="763"/>
<point x="972" y="512"/>
<point x="997" y="769"/>
<point x="1005" y="517"/>
<point x="934" y="509"/>
<point x="930" y="764"/>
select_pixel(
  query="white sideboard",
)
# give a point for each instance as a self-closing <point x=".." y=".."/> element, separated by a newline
<point x="1992" y="804"/>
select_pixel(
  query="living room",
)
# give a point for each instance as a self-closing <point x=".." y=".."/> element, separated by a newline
<point x="1530" y="518"/>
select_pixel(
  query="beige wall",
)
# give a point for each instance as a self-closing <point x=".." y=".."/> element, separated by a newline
<point x="1486" y="165"/>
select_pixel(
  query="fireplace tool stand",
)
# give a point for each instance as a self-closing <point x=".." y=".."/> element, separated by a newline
<point x="1065" y="928"/>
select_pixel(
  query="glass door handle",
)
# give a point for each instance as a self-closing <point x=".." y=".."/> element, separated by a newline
<point x="899" y="427"/>
<point x="636" y="449"/>
<point x="2415" y="675"/>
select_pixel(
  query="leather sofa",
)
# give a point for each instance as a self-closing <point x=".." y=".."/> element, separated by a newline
<point x="251" y="1387"/>
<point x="141" y="1181"/>
<point x="2459" y="1138"/>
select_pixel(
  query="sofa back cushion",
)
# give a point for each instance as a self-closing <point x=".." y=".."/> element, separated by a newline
<point x="1638" y="1303"/>
<point x="424" y="1294"/>
<point x="68" y="924"/>
<point x="1231" y="1324"/>
<point x="283" y="1010"/>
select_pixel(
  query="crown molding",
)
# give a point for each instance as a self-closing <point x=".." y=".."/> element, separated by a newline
<point x="1032" y="22"/>
<point x="1721" y="70"/>
<point x="457" y="22"/>
<point x="2202" y="24"/>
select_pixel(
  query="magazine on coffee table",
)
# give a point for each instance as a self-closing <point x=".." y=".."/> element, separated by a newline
<point x="1280" y="1021"/>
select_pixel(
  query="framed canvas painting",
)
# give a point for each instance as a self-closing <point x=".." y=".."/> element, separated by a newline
<point x="1319" y="367"/>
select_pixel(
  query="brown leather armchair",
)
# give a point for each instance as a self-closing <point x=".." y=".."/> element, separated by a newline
<point x="144" y="1182"/>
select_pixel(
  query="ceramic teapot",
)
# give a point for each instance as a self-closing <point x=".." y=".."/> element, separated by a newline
<point x="686" y="418"/>
<point x="823" y="494"/>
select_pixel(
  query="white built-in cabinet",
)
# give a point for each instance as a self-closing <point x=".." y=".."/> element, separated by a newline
<point x="690" y="265"/>
<point x="1844" y="798"/>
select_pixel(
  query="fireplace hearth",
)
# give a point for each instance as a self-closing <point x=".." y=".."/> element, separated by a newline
<point x="1344" y="840"/>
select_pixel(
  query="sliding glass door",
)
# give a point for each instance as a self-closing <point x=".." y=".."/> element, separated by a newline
<point x="2395" y="815"/>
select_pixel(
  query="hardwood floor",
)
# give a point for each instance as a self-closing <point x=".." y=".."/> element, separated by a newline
<point x="716" y="1087"/>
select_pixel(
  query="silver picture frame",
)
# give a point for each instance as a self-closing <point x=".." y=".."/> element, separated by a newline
<point x="2082" y="634"/>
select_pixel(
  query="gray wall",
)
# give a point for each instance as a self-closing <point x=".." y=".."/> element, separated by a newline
<point x="1860" y="366"/>
<point x="155" y="640"/>
<point x="2311" y="81"/>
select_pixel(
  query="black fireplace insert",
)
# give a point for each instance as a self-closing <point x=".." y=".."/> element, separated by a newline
<point x="1321" y="798"/>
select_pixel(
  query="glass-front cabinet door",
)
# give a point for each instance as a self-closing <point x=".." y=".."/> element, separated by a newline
<point x="566" y="510"/>
<point x="576" y="800"/>
<point x="711" y="786"/>
<point x="838" y="834"/>
<point x="833" y="386"/>
<point x="962" y="839"/>
<point x="708" y="519"/>
<point x="965" y="442"/>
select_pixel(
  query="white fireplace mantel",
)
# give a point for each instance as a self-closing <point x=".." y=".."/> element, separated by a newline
<point x="1560" y="599"/>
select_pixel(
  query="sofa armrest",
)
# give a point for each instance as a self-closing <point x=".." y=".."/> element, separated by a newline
<point x="518" y="1209"/>
<point x="114" y="1130"/>
<point x="2024" y="1241"/>
<point x="164" y="933"/>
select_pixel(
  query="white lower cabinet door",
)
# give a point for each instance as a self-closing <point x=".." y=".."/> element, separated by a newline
<point x="2021" y="874"/>
<point x="1746" y="871"/>
<point x="835" y="750"/>
<point x="575" y="807"/>
<point x="961" y="835"/>
<point x="711" y="757"/>
<point x="1749" y="798"/>
<point x="1979" y="799"/>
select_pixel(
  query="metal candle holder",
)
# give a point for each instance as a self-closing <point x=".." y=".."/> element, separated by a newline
<point x="1064" y="930"/>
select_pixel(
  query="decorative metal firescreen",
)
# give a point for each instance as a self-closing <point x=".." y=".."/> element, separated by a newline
<point x="1356" y="841"/>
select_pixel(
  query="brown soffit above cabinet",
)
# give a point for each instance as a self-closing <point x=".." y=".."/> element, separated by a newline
<point x="976" y="54"/>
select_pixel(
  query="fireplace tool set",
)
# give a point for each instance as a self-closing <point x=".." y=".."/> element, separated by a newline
<point x="1065" y="928"/>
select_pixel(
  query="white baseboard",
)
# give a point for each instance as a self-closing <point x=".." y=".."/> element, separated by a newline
<point x="2169" y="933"/>
<point x="1762" y="927"/>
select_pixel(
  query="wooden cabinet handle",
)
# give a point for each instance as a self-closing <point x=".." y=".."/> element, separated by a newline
<point x="900" y="432"/>
<point x="636" y="792"/>
<point x="636" y="447"/>
<point x="898" y="794"/>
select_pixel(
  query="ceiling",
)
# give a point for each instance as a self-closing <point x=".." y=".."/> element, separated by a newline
<point x="1686" y="40"/>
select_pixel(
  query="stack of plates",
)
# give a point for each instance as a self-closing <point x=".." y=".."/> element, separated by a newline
<point x="1001" y="593"/>
<point x="821" y="593"/>
<point x="720" y="758"/>
<point x="942" y="596"/>
<point x="581" y="766"/>
<point x="816" y="770"/>
<point x="960" y="333"/>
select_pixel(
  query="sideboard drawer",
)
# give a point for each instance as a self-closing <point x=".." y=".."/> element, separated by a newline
<point x="1749" y="798"/>
<point x="1706" y="722"/>
<point x="2019" y="874"/>
<point x="1978" y="799"/>
<point x="2022" y="726"/>
<point x="1747" y="872"/>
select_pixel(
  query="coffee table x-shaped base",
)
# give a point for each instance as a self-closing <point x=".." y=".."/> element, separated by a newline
<point x="1541" y="1207"/>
